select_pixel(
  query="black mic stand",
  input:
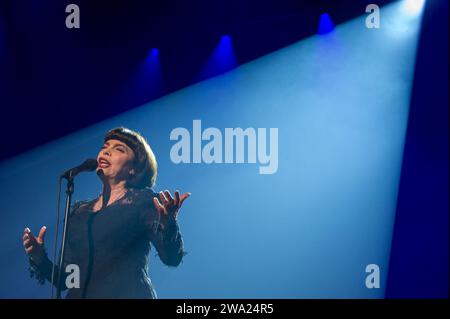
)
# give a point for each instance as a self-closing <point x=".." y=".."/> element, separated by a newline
<point x="69" y="192"/>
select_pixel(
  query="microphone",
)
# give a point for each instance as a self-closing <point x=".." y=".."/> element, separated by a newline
<point x="87" y="166"/>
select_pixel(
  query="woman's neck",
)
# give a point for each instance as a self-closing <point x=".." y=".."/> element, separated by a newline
<point x="112" y="192"/>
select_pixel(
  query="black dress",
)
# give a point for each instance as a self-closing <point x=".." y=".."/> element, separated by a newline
<point x="111" y="247"/>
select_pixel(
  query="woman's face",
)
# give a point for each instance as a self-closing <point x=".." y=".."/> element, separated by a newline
<point x="115" y="159"/>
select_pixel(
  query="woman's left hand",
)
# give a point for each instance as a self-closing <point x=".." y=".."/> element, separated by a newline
<point x="169" y="206"/>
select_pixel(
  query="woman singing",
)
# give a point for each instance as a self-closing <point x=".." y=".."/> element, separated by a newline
<point x="109" y="238"/>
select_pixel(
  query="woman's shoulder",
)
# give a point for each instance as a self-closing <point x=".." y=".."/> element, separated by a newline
<point x="80" y="205"/>
<point x="141" y="199"/>
<point x="140" y="192"/>
<point x="141" y="195"/>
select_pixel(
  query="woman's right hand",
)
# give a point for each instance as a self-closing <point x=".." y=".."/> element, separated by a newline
<point x="34" y="246"/>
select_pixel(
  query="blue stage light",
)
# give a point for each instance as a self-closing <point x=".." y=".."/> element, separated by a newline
<point x="326" y="25"/>
<point x="154" y="52"/>
<point x="221" y="60"/>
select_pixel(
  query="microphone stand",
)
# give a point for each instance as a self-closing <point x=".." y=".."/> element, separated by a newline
<point x="69" y="192"/>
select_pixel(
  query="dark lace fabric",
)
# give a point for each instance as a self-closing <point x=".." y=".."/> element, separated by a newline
<point x="111" y="247"/>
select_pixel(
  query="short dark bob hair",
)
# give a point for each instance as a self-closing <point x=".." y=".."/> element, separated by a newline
<point x="144" y="164"/>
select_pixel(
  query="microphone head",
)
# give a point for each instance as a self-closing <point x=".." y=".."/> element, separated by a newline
<point x="100" y="173"/>
<point x="89" y="165"/>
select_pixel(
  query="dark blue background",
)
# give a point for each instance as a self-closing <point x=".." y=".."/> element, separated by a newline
<point x="419" y="258"/>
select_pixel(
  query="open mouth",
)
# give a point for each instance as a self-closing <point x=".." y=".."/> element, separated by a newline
<point x="103" y="163"/>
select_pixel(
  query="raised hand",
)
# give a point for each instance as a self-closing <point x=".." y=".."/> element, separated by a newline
<point x="168" y="206"/>
<point x="34" y="246"/>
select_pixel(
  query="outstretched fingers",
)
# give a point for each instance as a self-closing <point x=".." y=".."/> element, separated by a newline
<point x="167" y="204"/>
<point x="177" y="197"/>
<point x="183" y="197"/>
<point x="28" y="240"/>
<point x="163" y="198"/>
<point x="159" y="206"/>
<point x="41" y="236"/>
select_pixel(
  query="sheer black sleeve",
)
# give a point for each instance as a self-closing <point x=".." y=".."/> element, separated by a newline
<point x="163" y="232"/>
<point x="44" y="270"/>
